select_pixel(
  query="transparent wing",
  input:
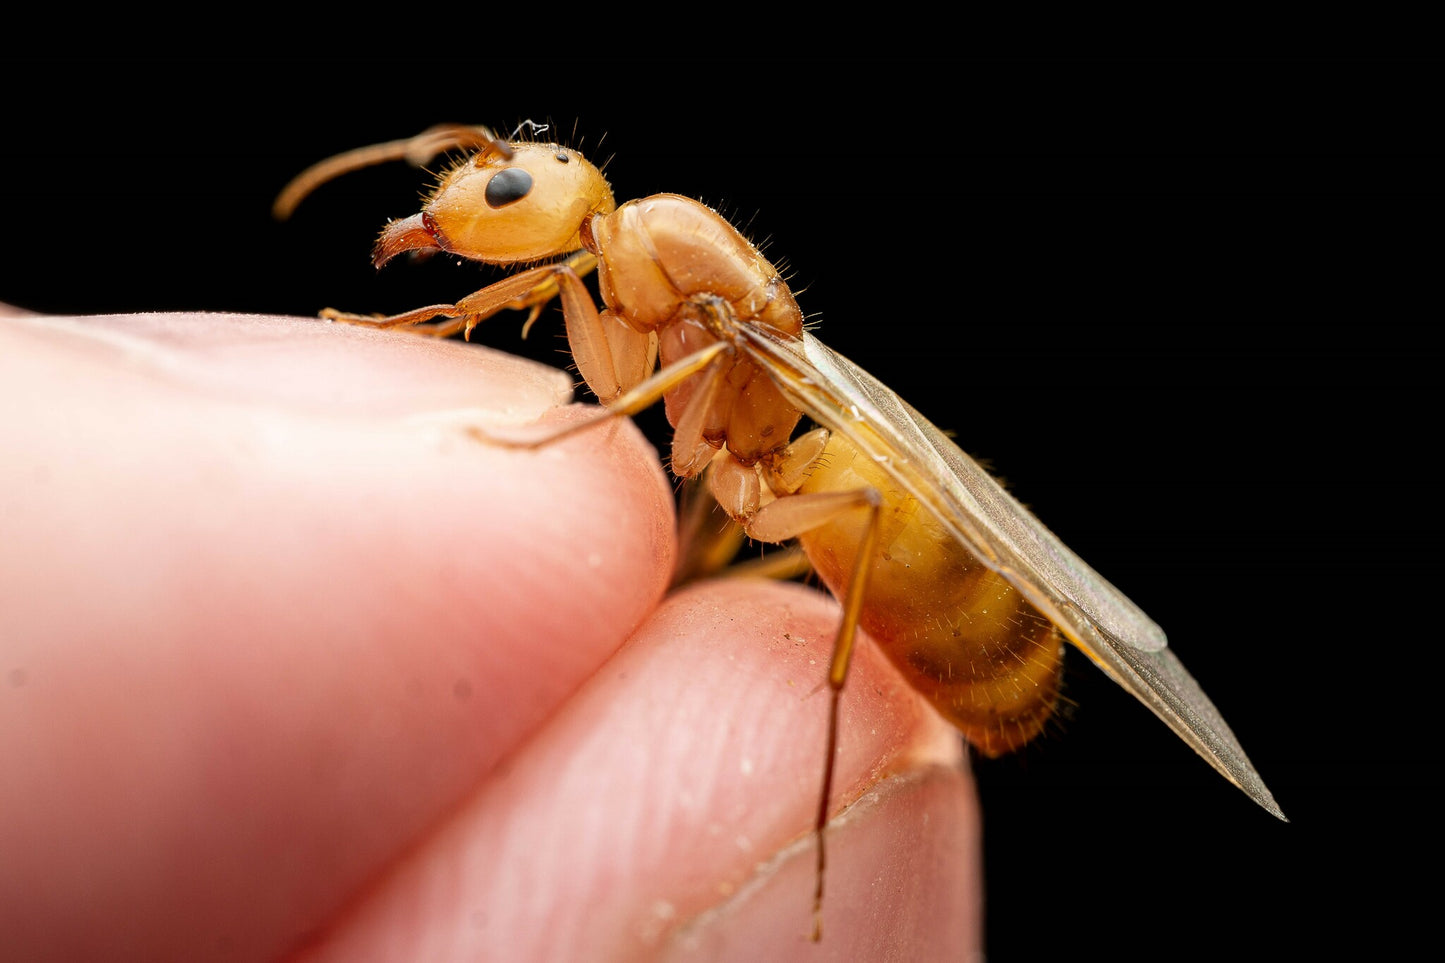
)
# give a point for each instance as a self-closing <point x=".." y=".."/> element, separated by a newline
<point x="1006" y="537"/>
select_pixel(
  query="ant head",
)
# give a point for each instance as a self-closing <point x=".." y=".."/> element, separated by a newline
<point x="508" y="203"/>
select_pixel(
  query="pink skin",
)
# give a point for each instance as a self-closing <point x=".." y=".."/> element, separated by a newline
<point x="292" y="666"/>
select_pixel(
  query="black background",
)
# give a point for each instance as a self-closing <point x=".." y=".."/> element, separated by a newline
<point x="1183" y="308"/>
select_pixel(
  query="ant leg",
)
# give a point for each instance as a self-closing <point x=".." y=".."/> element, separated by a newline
<point x="530" y="289"/>
<point x="630" y="402"/>
<point x="708" y="539"/>
<point x="406" y="319"/>
<point x="611" y="356"/>
<point x="786" y="518"/>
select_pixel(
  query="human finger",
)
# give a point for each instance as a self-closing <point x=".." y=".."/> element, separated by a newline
<point x="269" y="611"/>
<point x="666" y="812"/>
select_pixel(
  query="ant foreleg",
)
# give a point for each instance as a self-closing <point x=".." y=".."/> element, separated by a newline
<point x="530" y="290"/>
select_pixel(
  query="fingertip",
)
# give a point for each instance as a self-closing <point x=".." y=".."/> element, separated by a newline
<point x="668" y="808"/>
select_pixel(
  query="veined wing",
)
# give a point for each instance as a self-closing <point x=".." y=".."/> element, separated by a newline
<point x="966" y="501"/>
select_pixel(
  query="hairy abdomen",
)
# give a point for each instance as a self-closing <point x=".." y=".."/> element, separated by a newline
<point x="961" y="635"/>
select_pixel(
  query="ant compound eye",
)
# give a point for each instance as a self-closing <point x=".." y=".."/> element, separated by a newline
<point x="508" y="186"/>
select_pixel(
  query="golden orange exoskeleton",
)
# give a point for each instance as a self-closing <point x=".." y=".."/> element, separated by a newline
<point x="968" y="594"/>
